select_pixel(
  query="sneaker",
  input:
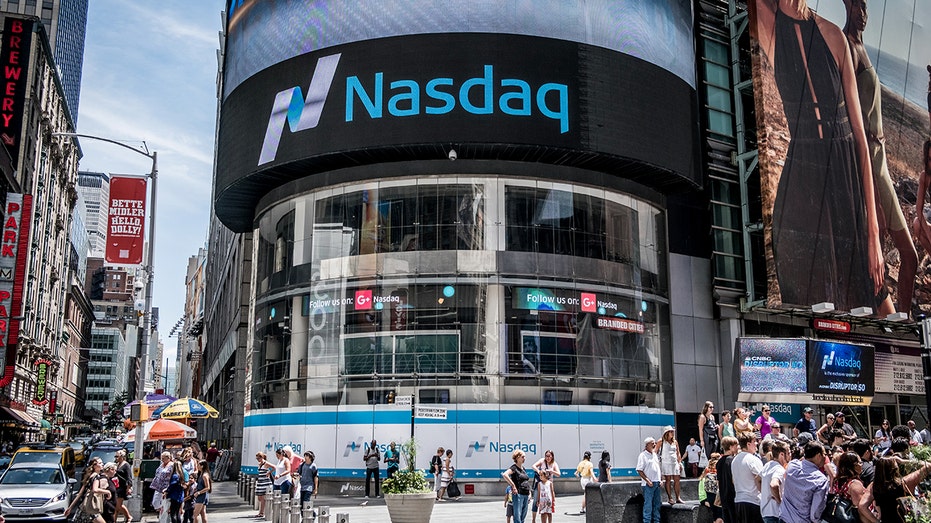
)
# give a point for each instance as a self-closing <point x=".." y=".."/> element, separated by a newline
<point x="366" y="497"/>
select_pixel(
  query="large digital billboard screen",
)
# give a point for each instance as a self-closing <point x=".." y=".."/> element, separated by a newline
<point x="841" y="105"/>
<point x="772" y="365"/>
<point x="323" y="87"/>
<point x="840" y="368"/>
<point x="262" y="33"/>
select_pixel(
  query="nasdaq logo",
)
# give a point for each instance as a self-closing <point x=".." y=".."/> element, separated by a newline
<point x="475" y="446"/>
<point x="353" y="446"/>
<point x="376" y="98"/>
<point x="831" y="360"/>
<point x="299" y="111"/>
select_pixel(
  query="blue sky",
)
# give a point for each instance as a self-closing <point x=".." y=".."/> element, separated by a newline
<point x="150" y="72"/>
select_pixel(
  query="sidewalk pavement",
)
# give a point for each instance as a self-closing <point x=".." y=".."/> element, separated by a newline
<point x="227" y="507"/>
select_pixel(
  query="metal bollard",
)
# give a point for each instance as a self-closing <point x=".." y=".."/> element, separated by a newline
<point x="323" y="514"/>
<point x="342" y="517"/>
<point x="295" y="510"/>
<point x="250" y="490"/>
<point x="284" y="511"/>
<point x="269" y="503"/>
<point x="308" y="513"/>
<point x="276" y="506"/>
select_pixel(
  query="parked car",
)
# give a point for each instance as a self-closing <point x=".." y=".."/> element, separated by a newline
<point x="64" y="456"/>
<point x="35" y="491"/>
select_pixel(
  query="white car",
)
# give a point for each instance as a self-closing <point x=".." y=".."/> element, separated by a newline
<point x="35" y="492"/>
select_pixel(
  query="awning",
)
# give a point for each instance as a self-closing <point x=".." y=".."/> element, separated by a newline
<point x="18" y="418"/>
<point x="45" y="425"/>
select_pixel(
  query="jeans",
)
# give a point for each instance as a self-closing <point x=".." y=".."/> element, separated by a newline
<point x="306" y="495"/>
<point x="369" y="475"/>
<point x="520" y="502"/>
<point x="284" y="488"/>
<point x="652" y="500"/>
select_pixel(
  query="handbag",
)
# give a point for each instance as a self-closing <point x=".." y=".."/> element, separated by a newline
<point x="453" y="489"/>
<point x="92" y="504"/>
<point x="703" y="460"/>
<point x="839" y="510"/>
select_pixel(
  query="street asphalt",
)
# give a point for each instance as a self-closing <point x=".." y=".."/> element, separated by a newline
<point x="227" y="507"/>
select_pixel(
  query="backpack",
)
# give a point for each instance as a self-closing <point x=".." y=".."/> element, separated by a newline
<point x="435" y="465"/>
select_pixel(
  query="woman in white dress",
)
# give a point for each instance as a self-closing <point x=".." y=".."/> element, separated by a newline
<point x="671" y="463"/>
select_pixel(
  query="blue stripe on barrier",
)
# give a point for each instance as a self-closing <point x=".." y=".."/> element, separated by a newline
<point x="462" y="474"/>
<point x="511" y="417"/>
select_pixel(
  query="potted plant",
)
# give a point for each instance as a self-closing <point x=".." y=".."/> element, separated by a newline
<point x="407" y="493"/>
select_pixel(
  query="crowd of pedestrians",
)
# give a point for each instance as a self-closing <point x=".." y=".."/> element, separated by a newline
<point x="762" y="475"/>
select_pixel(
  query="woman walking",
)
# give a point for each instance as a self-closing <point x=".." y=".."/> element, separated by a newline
<point x="124" y="474"/>
<point x="202" y="490"/>
<point x="283" y="473"/>
<point x="671" y="463"/>
<point x="585" y="472"/>
<point x="175" y="493"/>
<point x="90" y="487"/>
<point x="447" y="474"/>
<point x="519" y="481"/>
<point x="604" y="467"/>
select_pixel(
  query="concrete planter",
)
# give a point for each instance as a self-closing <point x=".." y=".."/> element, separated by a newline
<point x="410" y="508"/>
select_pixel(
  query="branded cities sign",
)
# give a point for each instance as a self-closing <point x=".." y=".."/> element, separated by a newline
<point x="126" y="220"/>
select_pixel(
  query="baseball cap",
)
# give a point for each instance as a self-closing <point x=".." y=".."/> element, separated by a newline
<point x="808" y="409"/>
<point x="838" y="414"/>
<point x="804" y="437"/>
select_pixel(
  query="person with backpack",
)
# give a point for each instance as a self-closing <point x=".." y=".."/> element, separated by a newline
<point x="308" y="474"/>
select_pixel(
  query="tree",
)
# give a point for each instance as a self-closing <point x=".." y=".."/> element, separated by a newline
<point x="114" y="419"/>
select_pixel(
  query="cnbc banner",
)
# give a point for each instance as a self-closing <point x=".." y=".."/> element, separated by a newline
<point x="797" y="370"/>
<point x="842" y="112"/>
<point x="126" y="220"/>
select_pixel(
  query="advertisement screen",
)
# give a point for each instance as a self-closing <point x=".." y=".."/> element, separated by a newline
<point x="772" y="365"/>
<point x="842" y="113"/>
<point x="262" y="33"/>
<point x="840" y="368"/>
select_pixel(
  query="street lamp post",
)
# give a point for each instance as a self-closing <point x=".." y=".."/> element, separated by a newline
<point x="135" y="503"/>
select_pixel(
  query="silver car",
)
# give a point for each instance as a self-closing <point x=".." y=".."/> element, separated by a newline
<point x="35" y="492"/>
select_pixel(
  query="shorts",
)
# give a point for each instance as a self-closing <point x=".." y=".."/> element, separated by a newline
<point x="585" y="481"/>
<point x="510" y="511"/>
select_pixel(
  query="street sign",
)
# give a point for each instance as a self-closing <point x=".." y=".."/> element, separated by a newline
<point x="430" y="412"/>
<point x="403" y="400"/>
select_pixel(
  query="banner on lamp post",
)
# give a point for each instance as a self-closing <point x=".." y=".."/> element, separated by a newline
<point x="16" y="219"/>
<point x="126" y="220"/>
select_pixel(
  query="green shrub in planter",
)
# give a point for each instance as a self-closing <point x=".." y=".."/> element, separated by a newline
<point x="409" y="479"/>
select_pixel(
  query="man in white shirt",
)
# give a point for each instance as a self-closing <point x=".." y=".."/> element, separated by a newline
<point x="915" y="437"/>
<point x="650" y="481"/>
<point x="776" y="433"/>
<point x="745" y="471"/>
<point x="693" y="451"/>
<point x="771" y="482"/>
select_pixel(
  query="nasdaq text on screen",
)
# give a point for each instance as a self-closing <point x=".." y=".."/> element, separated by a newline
<point x="476" y="95"/>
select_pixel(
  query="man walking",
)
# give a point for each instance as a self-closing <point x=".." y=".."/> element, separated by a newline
<point x="372" y="457"/>
<point x="805" y="490"/>
<point x="746" y="472"/>
<point x="693" y="451"/>
<point x="650" y="479"/>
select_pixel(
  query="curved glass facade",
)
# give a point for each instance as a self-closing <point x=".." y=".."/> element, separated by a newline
<point x="479" y="296"/>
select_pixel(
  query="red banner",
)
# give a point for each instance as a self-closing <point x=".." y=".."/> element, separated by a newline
<point x="13" y="249"/>
<point x="126" y="220"/>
